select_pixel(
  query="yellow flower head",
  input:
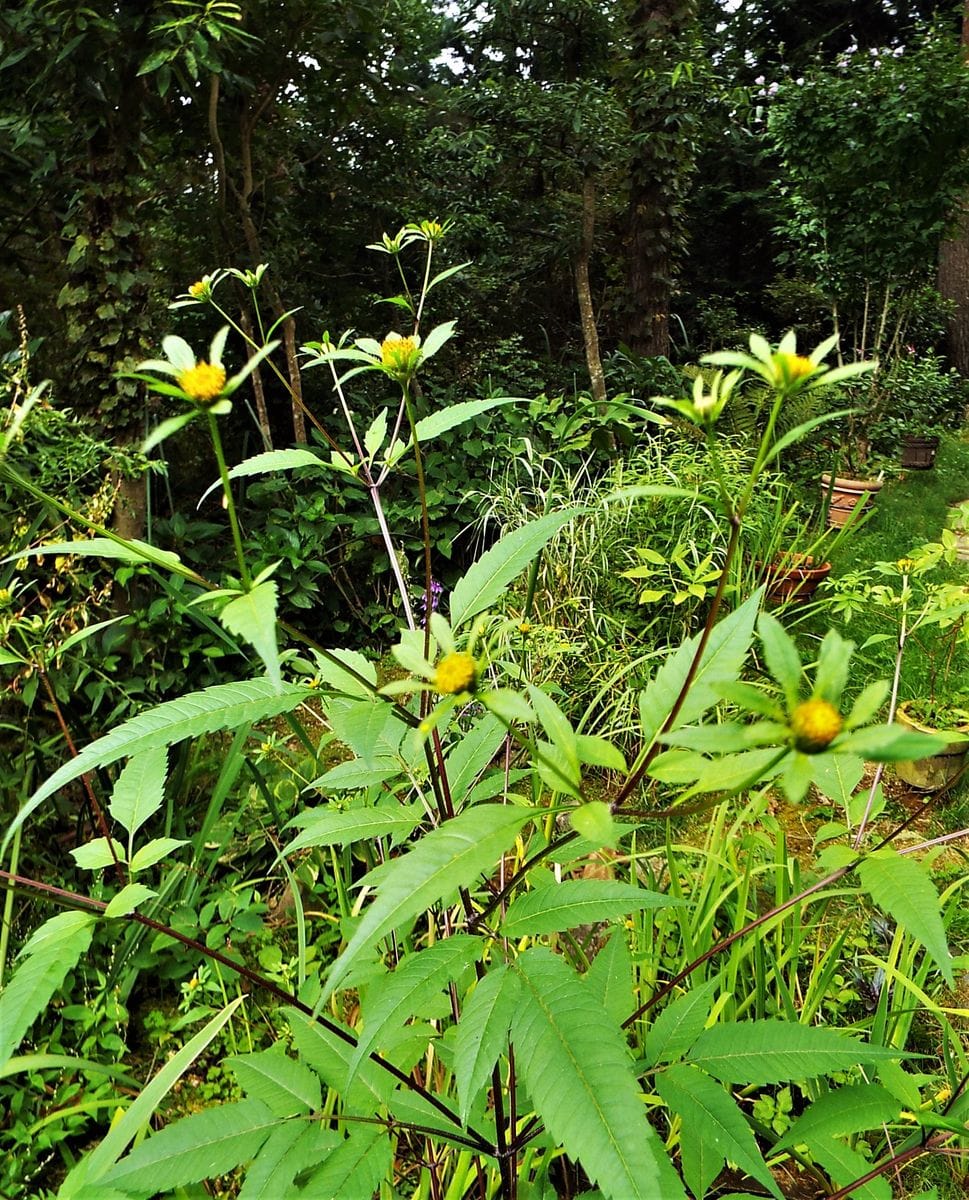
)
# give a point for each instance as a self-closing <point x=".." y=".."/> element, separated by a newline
<point x="399" y="354"/>
<point x="905" y="565"/>
<point x="815" y="724"/>
<point x="788" y="367"/>
<point x="203" y="382"/>
<point x="456" y="673"/>
<point x="199" y="289"/>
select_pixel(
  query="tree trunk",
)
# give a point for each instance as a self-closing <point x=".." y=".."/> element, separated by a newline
<point x="954" y="263"/>
<point x="590" y="335"/>
<point x="662" y="113"/>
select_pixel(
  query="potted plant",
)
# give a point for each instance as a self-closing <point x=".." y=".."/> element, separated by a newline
<point x="931" y="613"/>
<point x="919" y="399"/>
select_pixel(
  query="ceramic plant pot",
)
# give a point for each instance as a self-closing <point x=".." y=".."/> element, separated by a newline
<point x="938" y="770"/>
<point x="794" y="577"/>
<point x="849" y="498"/>
<point x="918" y="453"/>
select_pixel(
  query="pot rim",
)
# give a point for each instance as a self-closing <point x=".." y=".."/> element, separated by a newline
<point x="845" y="484"/>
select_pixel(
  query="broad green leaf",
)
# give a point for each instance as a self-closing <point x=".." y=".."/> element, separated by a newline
<point x="453" y="415"/>
<point x="128" y="899"/>
<point x="598" y="752"/>
<point x="369" y="728"/>
<point x="84" y="1179"/>
<point x="577" y="902"/>
<point x="334" y="828"/>
<point x="96" y="855"/>
<point x="196" y="1148"/>
<point x="781" y="657"/>
<point x="447" y="858"/>
<point x="140" y="789"/>
<point x="285" y="1086"/>
<point x="83" y="634"/>
<point x="485" y="582"/>
<point x="224" y="706"/>
<point x="834" y="663"/>
<point x="347" y="681"/>
<point x="836" y="1114"/>
<point x="722" y="661"/>
<point x="679" y="1024"/>
<point x="154" y="851"/>
<point x="611" y="978"/>
<point x="577" y="1070"/>
<point x="837" y="775"/>
<point x="779" y="1052"/>
<point x="355" y="1169"/>
<point x="481" y="1035"/>
<point x="845" y="1166"/>
<point x="903" y="888"/>
<point x="355" y="775"/>
<point x="129" y="550"/>
<point x="714" y="1130"/>
<point x="892" y="743"/>
<point x="436" y="339"/>
<point x="594" y="822"/>
<point x="373" y="439"/>
<point x="472" y="755"/>
<point x="271" y="460"/>
<point x="291" y="1148"/>
<point x="51" y="951"/>
<point x="252" y="616"/>
<point x="405" y="992"/>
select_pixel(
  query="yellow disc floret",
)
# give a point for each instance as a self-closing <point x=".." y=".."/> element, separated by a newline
<point x="203" y="382"/>
<point x="815" y="724"/>
<point x="399" y="354"/>
<point x="456" y="673"/>
<point x="198" y="289"/>
<point x="788" y="368"/>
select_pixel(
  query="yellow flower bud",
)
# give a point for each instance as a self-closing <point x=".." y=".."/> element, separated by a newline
<point x="456" y="673"/>
<point x="815" y="724"/>
<point x="399" y="354"/>
<point x="788" y="368"/>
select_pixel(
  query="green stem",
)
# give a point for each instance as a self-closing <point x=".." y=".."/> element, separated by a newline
<point x="229" y="502"/>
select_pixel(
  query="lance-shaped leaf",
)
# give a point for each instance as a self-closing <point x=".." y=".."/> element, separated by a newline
<point x="356" y="1168"/>
<point x="291" y="1148"/>
<point x="482" y="1033"/>
<point x="404" y="993"/>
<point x="577" y="902"/>
<point x="49" y="954"/>
<point x="902" y="887"/>
<point x="336" y="828"/>
<point x="844" y="1111"/>
<point x="282" y="1084"/>
<point x="485" y="582"/>
<point x="252" y="616"/>
<point x="140" y="789"/>
<point x="779" y="1051"/>
<point x="578" y="1072"/>
<point x="446" y="859"/>
<point x="224" y="706"/>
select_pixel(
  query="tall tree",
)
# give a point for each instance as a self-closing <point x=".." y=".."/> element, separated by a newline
<point x="954" y="260"/>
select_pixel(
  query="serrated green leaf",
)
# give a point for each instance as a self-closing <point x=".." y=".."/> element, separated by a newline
<point x="846" y="1110"/>
<point x="472" y="755"/>
<point x="154" y="851"/>
<point x="356" y="1168"/>
<point x="332" y="828"/>
<point x="845" y="1166"/>
<point x="611" y="978"/>
<point x="252" y="616"/>
<point x="577" y="1070"/>
<point x="128" y="899"/>
<point x="453" y="415"/>
<point x="224" y="706"/>
<point x="723" y="658"/>
<point x="577" y="902"/>
<point x="355" y="775"/>
<point x="285" y="1086"/>
<point x="594" y="822"/>
<point x="781" y="657"/>
<point x="447" y="858"/>
<point x="96" y="855"/>
<point x="290" y="1149"/>
<point x="271" y="460"/>
<point x="903" y="889"/>
<point x="50" y="952"/>
<point x="837" y="775"/>
<point x="711" y="1120"/>
<point x="140" y="789"/>
<point x="485" y="581"/>
<point x="196" y="1148"/>
<point x="481" y="1035"/>
<point x="779" y="1052"/>
<point x="404" y="993"/>
<point x="679" y="1025"/>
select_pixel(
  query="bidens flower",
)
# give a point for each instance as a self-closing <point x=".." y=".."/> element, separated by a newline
<point x="203" y="382"/>
<point x="456" y="673"/>
<point x="786" y="371"/>
<point x="400" y="355"/>
<point x="815" y="724"/>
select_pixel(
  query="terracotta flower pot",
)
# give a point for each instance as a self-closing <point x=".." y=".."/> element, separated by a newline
<point x="918" y="453"/>
<point x="938" y="770"/>
<point x="848" y="497"/>
<point x="794" y="577"/>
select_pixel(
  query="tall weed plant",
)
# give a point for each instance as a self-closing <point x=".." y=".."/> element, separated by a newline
<point x="533" y="985"/>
